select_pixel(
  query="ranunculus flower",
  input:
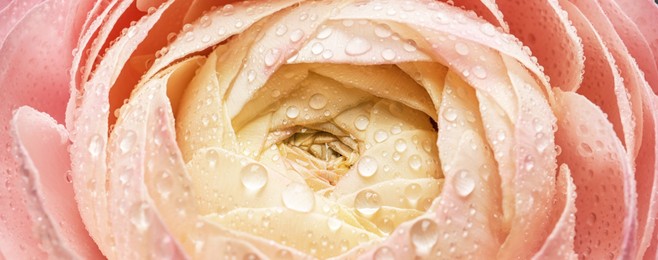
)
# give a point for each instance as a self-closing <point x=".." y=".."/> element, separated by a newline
<point x="318" y="129"/>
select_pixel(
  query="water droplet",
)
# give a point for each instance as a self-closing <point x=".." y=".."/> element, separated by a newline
<point x="463" y="183"/>
<point x="400" y="145"/>
<point x="325" y="33"/>
<point x="298" y="197"/>
<point x="388" y="54"/>
<point x="396" y="129"/>
<point x="296" y="35"/>
<point x="462" y="48"/>
<point x="413" y="192"/>
<point x="327" y="54"/>
<point x="500" y="135"/>
<point x="95" y="146"/>
<point x="384" y="253"/>
<point x="212" y="157"/>
<point x="361" y="122"/>
<point x="479" y="72"/>
<point x="271" y="57"/>
<point x="132" y="31"/>
<point x="69" y="178"/>
<point x="334" y="224"/>
<point x="251" y="75"/>
<point x="367" y="166"/>
<point x="292" y="112"/>
<point x="450" y="114"/>
<point x="584" y="149"/>
<point x="281" y="30"/>
<point x="591" y="220"/>
<point x="127" y="141"/>
<point x="409" y="46"/>
<point x="138" y="217"/>
<point x="383" y="31"/>
<point x="164" y="184"/>
<point x="424" y="235"/>
<point x="357" y="46"/>
<point x="276" y="93"/>
<point x="415" y="162"/>
<point x="381" y="136"/>
<point x="317" y="101"/>
<point x="317" y="48"/>
<point x="254" y="176"/>
<point x="367" y="202"/>
<point x="488" y="29"/>
<point x="528" y="163"/>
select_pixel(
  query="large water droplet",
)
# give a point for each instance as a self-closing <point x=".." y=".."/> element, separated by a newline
<point x="357" y="46"/>
<point x="381" y="136"/>
<point x="318" y="101"/>
<point x="292" y="112"/>
<point x="298" y="197"/>
<point x="317" y="48"/>
<point x="424" y="235"/>
<point x="463" y="183"/>
<point x="415" y="162"/>
<point x="334" y="224"/>
<point x="253" y="176"/>
<point x="361" y="122"/>
<point x="367" y="202"/>
<point x="127" y="141"/>
<point x="367" y="166"/>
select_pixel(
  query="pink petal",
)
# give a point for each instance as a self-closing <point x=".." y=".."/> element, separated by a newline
<point x="544" y="27"/>
<point x="643" y="13"/>
<point x="42" y="146"/>
<point x="486" y="9"/>
<point x="33" y="71"/>
<point x="559" y="245"/>
<point x="606" y="217"/>
<point x="634" y="39"/>
<point x="89" y="142"/>
<point x="12" y="13"/>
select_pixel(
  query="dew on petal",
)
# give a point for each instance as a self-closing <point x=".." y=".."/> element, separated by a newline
<point x="367" y="166"/>
<point x="298" y="197"/>
<point x="462" y="48"/>
<point x="271" y="57"/>
<point x="325" y="33"/>
<point x="361" y="122"/>
<point x="318" y="101"/>
<point x="479" y="72"/>
<point x="463" y="183"/>
<point x="383" y="31"/>
<point x="388" y="54"/>
<point x="292" y="112"/>
<point x="424" y="235"/>
<point x="400" y="145"/>
<point x="415" y="162"/>
<point x="384" y="253"/>
<point x="334" y="224"/>
<point x="127" y="141"/>
<point x="381" y="136"/>
<point x="296" y="35"/>
<point x="95" y="145"/>
<point x="450" y="114"/>
<point x="253" y="176"/>
<point x="367" y="202"/>
<point x="357" y="46"/>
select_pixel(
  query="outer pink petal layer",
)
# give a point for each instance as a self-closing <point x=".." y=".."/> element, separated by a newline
<point x="559" y="245"/>
<point x="33" y="71"/>
<point x="606" y="217"/>
<point x="12" y="13"/>
<point x="544" y="27"/>
<point x="42" y="146"/>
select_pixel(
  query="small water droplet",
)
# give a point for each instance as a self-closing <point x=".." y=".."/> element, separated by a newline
<point x="462" y="48"/>
<point x="164" y="184"/>
<point x="325" y="33"/>
<point x="383" y="31"/>
<point x="69" y="178"/>
<point x="281" y="30"/>
<point x="138" y="217"/>
<point x="296" y="35"/>
<point x="396" y="129"/>
<point x="95" y="146"/>
<point x="384" y="253"/>
<point x="127" y="141"/>
<point x="585" y="150"/>
<point x="388" y="54"/>
<point x="212" y="157"/>
<point x="488" y="29"/>
<point x="591" y="220"/>
<point x="500" y="135"/>
<point x="271" y="57"/>
<point x="479" y="72"/>
<point x="409" y="46"/>
<point x="415" y="162"/>
<point x="357" y="46"/>
<point x="413" y="192"/>
<point x="367" y="202"/>
<point x="450" y="114"/>
<point x="361" y="122"/>
<point x="367" y="166"/>
<point x="424" y="235"/>
<point x="334" y="224"/>
<point x="318" y="101"/>
<point x="317" y="48"/>
<point x="381" y="136"/>
<point x="463" y="183"/>
<point x="292" y="112"/>
<point x="298" y="197"/>
<point x="132" y="31"/>
<point x="254" y="176"/>
<point x="251" y="75"/>
<point x="400" y="145"/>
